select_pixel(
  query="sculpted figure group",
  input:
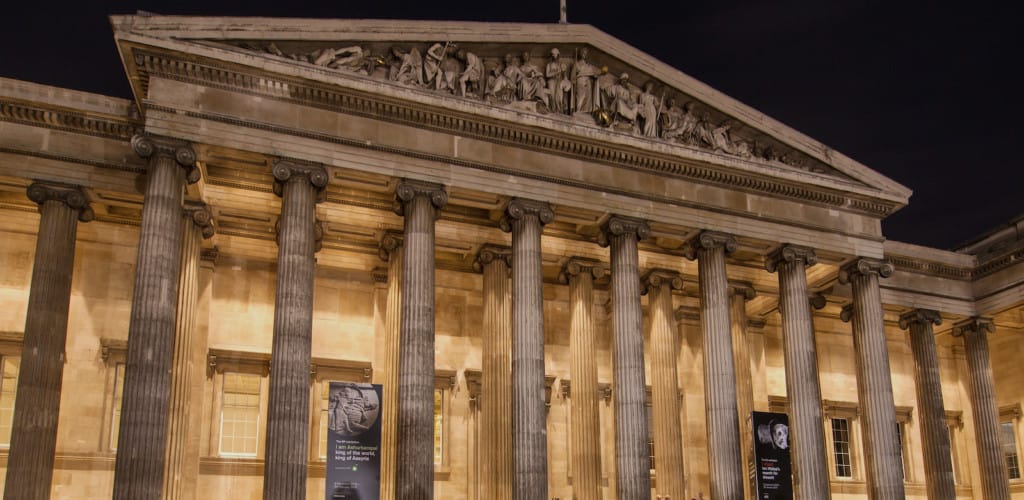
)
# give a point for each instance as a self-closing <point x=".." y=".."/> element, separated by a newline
<point x="572" y="87"/>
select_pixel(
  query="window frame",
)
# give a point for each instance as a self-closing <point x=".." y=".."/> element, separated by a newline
<point x="904" y="420"/>
<point x="113" y="353"/>
<point x="323" y="371"/>
<point x="1011" y="415"/>
<point x="4" y="357"/>
<point x="445" y="381"/>
<point x="954" y="427"/>
<point x="851" y="413"/>
<point x="219" y="362"/>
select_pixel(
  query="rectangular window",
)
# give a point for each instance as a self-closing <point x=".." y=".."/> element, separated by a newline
<point x="903" y="461"/>
<point x="438" y="427"/>
<point x="240" y="415"/>
<point x="952" y="454"/>
<point x="841" y="447"/>
<point x="115" y="418"/>
<point x="8" y="389"/>
<point x="650" y="434"/>
<point x="1009" y="443"/>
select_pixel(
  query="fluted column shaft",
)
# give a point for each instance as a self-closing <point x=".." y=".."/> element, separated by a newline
<point x="882" y="454"/>
<point x="142" y="439"/>
<point x="810" y="465"/>
<point x="287" y="448"/>
<point x="725" y="461"/>
<point x="525" y="219"/>
<point x="994" y="478"/>
<point x="585" y="425"/>
<point x="392" y="250"/>
<point x="938" y="462"/>
<point x="668" y="435"/>
<point x="739" y="294"/>
<point x="633" y="464"/>
<point x="37" y="403"/>
<point x="414" y="471"/>
<point x="194" y="444"/>
<point x="496" y="379"/>
<point x="197" y="225"/>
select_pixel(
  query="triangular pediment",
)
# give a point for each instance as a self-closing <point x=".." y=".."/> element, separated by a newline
<point x="482" y="69"/>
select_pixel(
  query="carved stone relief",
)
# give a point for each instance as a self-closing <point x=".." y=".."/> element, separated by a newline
<point x="559" y="85"/>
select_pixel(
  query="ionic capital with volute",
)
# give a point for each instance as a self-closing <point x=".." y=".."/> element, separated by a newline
<point x="285" y="170"/>
<point x="151" y="145"/>
<point x="489" y="253"/>
<point x="709" y="240"/>
<point x="924" y="316"/>
<point x="655" y="278"/>
<point x="390" y="241"/>
<point x="72" y="196"/>
<point x="618" y="225"/>
<point x="865" y="266"/>
<point x="577" y="265"/>
<point x="200" y="215"/>
<point x="742" y="288"/>
<point x="976" y="324"/>
<point x="409" y="189"/>
<point x="790" y="253"/>
<point x="518" y="208"/>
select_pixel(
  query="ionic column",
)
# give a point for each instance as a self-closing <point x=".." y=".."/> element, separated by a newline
<point x="420" y="203"/>
<point x="496" y="380"/>
<point x="142" y="439"/>
<point x="995" y="482"/>
<point x="668" y="435"/>
<point x="633" y="465"/>
<point x="810" y="470"/>
<point x="391" y="251"/>
<point x="874" y="380"/>
<point x="525" y="219"/>
<point x="725" y="462"/>
<point x="37" y="403"/>
<point x="198" y="225"/>
<point x="300" y="187"/>
<point x="938" y="463"/>
<point x="585" y="423"/>
<point x="739" y="294"/>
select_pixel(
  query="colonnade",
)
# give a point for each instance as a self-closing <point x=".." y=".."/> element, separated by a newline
<point x="513" y="357"/>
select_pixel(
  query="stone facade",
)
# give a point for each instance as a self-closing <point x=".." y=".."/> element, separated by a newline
<point x="702" y="216"/>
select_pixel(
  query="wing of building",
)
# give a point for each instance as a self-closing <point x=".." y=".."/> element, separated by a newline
<point x="575" y="270"/>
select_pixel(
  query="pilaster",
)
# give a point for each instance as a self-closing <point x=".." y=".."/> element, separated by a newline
<point x="739" y="293"/>
<point x="392" y="251"/>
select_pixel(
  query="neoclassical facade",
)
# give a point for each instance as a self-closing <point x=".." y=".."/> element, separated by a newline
<point x="575" y="270"/>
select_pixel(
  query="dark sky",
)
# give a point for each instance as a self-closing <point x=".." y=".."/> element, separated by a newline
<point x="928" y="96"/>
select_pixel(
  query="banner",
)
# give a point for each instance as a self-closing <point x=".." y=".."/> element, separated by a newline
<point x="353" y="441"/>
<point x="771" y="456"/>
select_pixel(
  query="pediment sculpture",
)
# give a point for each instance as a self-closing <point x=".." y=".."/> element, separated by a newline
<point x="571" y="87"/>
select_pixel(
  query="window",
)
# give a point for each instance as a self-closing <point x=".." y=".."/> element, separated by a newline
<point x="115" y="404"/>
<point x="903" y="456"/>
<point x="841" y="447"/>
<point x="8" y="389"/>
<point x="954" y="422"/>
<point x="904" y="417"/>
<point x="325" y="371"/>
<point x="1007" y="438"/>
<point x="240" y="414"/>
<point x="650" y="433"/>
<point x="439" y="450"/>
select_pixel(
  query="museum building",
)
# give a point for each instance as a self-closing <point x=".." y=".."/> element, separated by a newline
<point x="575" y="270"/>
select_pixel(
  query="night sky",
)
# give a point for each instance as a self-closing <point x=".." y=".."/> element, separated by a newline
<point x="928" y="96"/>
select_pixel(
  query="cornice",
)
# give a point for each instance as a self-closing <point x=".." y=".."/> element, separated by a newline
<point x="38" y="115"/>
<point x="334" y="98"/>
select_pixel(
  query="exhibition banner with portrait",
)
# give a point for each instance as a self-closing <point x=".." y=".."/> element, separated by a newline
<point x="773" y="473"/>
<point x="353" y="441"/>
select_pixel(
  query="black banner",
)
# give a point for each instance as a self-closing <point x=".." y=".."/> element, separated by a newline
<point x="771" y="456"/>
<point x="353" y="441"/>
